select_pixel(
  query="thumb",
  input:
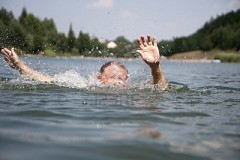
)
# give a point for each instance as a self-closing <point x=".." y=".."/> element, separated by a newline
<point x="140" y="52"/>
<point x="13" y="51"/>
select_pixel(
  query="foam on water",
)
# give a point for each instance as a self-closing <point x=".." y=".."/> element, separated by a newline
<point x="73" y="79"/>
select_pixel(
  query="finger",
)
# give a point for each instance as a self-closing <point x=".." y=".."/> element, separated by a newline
<point x="143" y="41"/>
<point x="140" y="52"/>
<point x="5" y="54"/>
<point x="11" y="65"/>
<point x="13" y="51"/>
<point x="154" y="41"/>
<point x="7" y="60"/>
<point x="140" y="44"/>
<point x="149" y="40"/>
<point x="7" y="51"/>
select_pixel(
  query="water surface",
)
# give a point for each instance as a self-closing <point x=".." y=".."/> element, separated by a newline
<point x="75" y="119"/>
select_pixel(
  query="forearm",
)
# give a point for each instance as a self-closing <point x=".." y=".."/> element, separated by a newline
<point x="158" y="76"/>
<point x="31" y="74"/>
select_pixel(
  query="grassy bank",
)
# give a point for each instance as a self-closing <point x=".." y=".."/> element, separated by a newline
<point x="224" y="56"/>
<point x="228" y="57"/>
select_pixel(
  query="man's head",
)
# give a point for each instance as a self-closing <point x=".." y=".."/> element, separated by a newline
<point x="113" y="73"/>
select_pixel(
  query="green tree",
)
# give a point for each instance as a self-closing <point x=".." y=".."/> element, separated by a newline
<point x="70" y="39"/>
<point x="61" y="45"/>
<point x="18" y="36"/>
<point x="6" y="17"/>
<point x="38" y="43"/>
<point x="123" y="47"/>
<point x="7" y="23"/>
<point x="237" y="40"/>
<point x="84" y="43"/>
<point x="165" y="48"/>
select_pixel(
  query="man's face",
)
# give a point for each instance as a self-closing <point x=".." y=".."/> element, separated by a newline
<point x="113" y="74"/>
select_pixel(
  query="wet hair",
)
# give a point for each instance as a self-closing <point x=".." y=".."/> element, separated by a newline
<point x="111" y="63"/>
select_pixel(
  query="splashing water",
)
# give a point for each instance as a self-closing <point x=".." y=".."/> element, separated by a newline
<point x="73" y="79"/>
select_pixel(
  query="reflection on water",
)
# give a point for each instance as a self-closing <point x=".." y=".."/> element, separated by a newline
<point x="75" y="118"/>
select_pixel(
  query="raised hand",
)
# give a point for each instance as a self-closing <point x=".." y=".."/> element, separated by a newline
<point x="11" y="58"/>
<point x="149" y="50"/>
<point x="14" y="61"/>
<point x="150" y="54"/>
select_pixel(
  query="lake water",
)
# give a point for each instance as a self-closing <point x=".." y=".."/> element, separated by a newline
<point x="74" y="119"/>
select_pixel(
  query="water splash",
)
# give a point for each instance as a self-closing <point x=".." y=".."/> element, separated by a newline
<point x="73" y="79"/>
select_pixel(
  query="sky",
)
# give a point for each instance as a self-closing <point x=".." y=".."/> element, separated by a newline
<point x="108" y="19"/>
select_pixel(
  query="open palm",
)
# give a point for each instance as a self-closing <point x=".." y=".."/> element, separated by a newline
<point x="148" y="50"/>
<point x="11" y="57"/>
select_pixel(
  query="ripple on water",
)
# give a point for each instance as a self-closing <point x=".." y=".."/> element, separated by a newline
<point x="78" y="119"/>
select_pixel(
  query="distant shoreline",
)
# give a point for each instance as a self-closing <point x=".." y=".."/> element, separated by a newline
<point x="207" y="56"/>
<point x="214" y="56"/>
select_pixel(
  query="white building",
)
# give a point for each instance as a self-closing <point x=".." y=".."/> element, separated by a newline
<point x="111" y="45"/>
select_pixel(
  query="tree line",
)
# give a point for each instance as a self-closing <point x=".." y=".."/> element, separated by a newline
<point x="33" y="35"/>
<point x="222" y="33"/>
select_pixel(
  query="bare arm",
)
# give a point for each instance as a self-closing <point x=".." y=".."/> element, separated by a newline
<point x="14" y="61"/>
<point x="150" y="54"/>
